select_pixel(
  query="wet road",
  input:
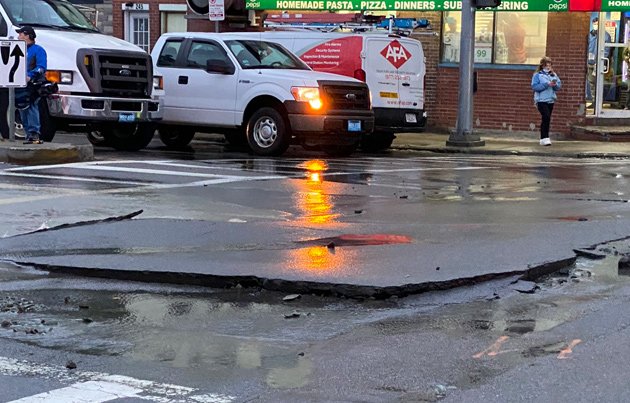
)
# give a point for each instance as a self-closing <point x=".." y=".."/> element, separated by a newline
<point x="482" y="343"/>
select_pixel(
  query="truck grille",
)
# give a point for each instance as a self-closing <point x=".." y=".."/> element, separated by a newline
<point x="124" y="76"/>
<point x="346" y="96"/>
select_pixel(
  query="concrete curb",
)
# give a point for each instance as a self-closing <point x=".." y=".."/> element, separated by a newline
<point x="42" y="154"/>
<point x="486" y="151"/>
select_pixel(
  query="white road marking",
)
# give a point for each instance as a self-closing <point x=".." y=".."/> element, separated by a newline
<point x="97" y="387"/>
<point x="84" y="392"/>
<point x="72" y="178"/>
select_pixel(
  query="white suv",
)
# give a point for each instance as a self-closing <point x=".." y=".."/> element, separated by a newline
<point x="256" y="93"/>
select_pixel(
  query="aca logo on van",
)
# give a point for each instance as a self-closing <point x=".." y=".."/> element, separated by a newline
<point x="396" y="54"/>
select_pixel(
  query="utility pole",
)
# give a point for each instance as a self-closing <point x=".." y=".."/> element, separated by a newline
<point x="463" y="135"/>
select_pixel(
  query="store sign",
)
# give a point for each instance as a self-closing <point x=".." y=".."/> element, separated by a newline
<point x="404" y="5"/>
<point x="615" y="5"/>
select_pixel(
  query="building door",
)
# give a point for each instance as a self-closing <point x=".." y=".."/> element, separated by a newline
<point x="612" y="70"/>
<point x="137" y="29"/>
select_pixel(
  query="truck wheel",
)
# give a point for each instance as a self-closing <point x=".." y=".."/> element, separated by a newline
<point x="175" y="136"/>
<point x="377" y="141"/>
<point x="267" y="132"/>
<point x="47" y="128"/>
<point x="129" y="137"/>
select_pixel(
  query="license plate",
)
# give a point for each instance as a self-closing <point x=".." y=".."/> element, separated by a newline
<point x="411" y="118"/>
<point x="354" y="125"/>
<point x="127" y="117"/>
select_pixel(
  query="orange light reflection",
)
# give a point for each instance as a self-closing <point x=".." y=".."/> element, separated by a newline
<point x="312" y="196"/>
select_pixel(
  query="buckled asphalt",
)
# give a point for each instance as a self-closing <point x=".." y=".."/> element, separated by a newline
<point x="15" y="152"/>
<point x="227" y="271"/>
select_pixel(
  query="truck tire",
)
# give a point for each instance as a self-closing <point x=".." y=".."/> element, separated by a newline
<point x="267" y="132"/>
<point x="175" y="136"/>
<point x="47" y="128"/>
<point x="129" y="137"/>
<point x="377" y="141"/>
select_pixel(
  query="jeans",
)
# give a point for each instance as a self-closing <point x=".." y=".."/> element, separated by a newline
<point x="545" y="110"/>
<point x="30" y="120"/>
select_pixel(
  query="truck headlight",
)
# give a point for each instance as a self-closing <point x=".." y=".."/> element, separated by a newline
<point x="308" y="94"/>
<point x="158" y="82"/>
<point x="59" y="76"/>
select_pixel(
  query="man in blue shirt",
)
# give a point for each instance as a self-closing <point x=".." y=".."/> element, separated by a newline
<point x="592" y="60"/>
<point x="36" y="65"/>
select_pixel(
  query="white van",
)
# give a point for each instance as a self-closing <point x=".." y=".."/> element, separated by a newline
<point x="106" y="85"/>
<point x="392" y="66"/>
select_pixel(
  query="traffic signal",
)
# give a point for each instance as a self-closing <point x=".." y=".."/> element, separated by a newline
<point x="486" y="3"/>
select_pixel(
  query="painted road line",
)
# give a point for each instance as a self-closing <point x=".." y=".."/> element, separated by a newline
<point x="84" y="392"/>
<point x="72" y="178"/>
<point x="102" y="387"/>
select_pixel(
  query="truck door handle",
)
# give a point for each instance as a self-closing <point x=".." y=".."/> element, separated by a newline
<point x="406" y="84"/>
<point x="182" y="80"/>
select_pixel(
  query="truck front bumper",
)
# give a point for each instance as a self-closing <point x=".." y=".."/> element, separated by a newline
<point x="338" y="127"/>
<point x="81" y="107"/>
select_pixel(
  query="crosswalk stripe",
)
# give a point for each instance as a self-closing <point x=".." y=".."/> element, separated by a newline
<point x="97" y="387"/>
<point x="84" y="392"/>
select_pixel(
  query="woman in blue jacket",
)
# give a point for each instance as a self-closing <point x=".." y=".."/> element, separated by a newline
<point x="545" y="83"/>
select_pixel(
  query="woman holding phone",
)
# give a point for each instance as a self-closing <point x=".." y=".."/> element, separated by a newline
<point x="545" y="84"/>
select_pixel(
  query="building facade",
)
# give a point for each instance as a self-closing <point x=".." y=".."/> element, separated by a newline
<point x="508" y="46"/>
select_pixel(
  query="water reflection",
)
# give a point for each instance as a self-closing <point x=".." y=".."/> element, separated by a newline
<point x="312" y="196"/>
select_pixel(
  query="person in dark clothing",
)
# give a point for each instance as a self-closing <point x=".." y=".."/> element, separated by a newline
<point x="36" y="64"/>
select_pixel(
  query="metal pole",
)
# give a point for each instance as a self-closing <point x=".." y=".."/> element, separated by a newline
<point x="11" y="113"/>
<point x="463" y="135"/>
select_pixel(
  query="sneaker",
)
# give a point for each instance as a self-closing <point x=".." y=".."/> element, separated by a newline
<point x="34" y="141"/>
<point x="545" y="142"/>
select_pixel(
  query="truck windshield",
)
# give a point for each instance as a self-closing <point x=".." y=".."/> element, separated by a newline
<point x="55" y="14"/>
<point x="264" y="55"/>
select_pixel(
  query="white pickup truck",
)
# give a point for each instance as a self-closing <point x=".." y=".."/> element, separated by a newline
<point x="256" y="93"/>
<point x="106" y="85"/>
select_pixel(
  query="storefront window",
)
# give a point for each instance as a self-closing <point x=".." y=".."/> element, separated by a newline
<point x="500" y="37"/>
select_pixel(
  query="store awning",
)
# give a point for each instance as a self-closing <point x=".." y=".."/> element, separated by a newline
<point x="405" y="5"/>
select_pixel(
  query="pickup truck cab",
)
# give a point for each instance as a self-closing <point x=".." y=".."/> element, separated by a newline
<point x="256" y="93"/>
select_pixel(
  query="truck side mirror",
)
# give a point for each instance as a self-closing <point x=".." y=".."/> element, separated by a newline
<point x="219" y="66"/>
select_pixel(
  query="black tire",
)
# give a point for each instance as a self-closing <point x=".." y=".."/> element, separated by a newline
<point x="175" y="136"/>
<point x="267" y="132"/>
<point x="341" y="151"/>
<point x="377" y="141"/>
<point x="129" y="137"/>
<point x="48" y="128"/>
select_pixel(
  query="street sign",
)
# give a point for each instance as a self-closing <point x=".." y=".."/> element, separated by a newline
<point x="13" y="63"/>
<point x="216" y="10"/>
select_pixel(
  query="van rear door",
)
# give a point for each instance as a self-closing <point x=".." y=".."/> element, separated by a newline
<point x="395" y="72"/>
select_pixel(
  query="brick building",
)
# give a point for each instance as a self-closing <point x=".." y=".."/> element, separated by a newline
<point x="503" y="101"/>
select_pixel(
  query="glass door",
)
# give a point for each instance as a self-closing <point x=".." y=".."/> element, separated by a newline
<point x="611" y="66"/>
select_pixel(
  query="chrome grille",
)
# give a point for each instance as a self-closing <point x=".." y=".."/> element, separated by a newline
<point x="346" y="97"/>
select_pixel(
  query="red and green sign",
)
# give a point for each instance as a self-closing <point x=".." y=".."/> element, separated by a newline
<point x="404" y="5"/>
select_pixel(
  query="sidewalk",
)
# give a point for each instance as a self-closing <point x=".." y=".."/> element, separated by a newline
<point x="15" y="152"/>
<point x="512" y="145"/>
